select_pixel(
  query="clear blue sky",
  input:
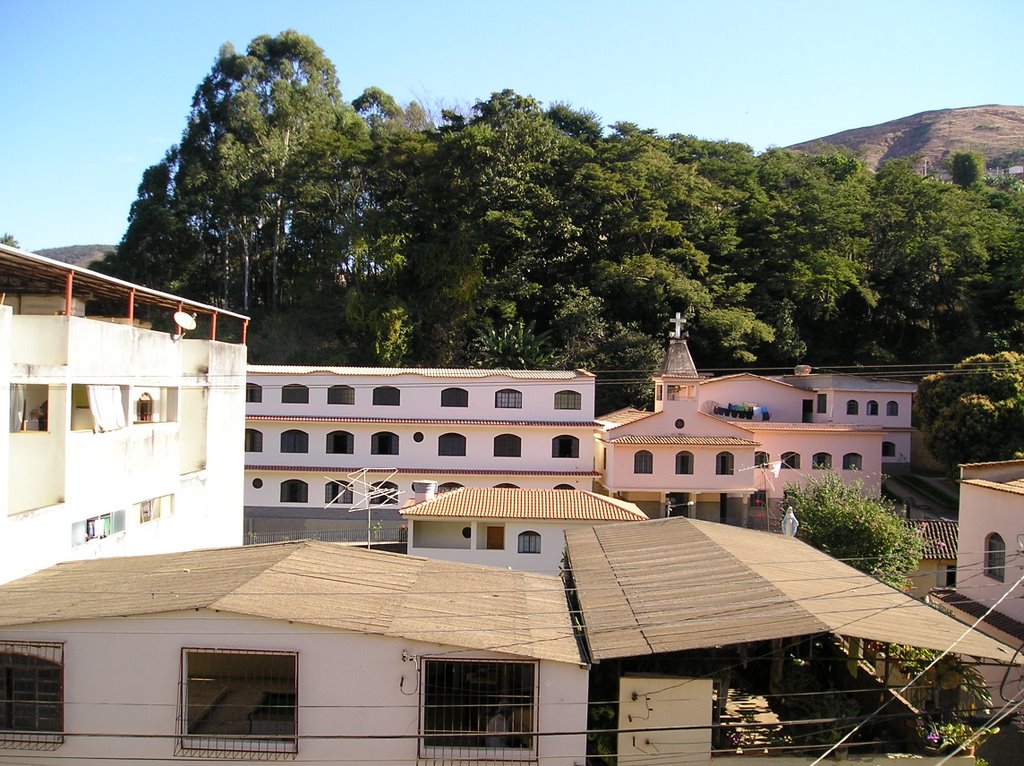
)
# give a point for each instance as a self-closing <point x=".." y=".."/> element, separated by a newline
<point x="95" y="91"/>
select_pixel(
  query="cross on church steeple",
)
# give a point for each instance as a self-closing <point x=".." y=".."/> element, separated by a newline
<point x="680" y="322"/>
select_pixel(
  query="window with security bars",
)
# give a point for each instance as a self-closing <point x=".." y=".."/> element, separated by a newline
<point x="472" y="708"/>
<point x="31" y="695"/>
<point x="238" y="701"/>
<point x="508" y="398"/>
<point x="341" y="395"/>
<point x="568" y="400"/>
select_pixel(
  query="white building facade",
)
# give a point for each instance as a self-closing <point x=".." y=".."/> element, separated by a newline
<point x="317" y="438"/>
<point x="121" y="439"/>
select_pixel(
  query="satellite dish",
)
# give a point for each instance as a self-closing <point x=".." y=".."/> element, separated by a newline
<point x="185" y="323"/>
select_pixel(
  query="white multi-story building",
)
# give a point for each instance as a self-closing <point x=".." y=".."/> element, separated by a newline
<point x="121" y="439"/>
<point x="315" y="437"/>
<point x="724" y="449"/>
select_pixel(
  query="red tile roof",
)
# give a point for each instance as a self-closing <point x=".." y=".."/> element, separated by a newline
<point x="426" y="372"/>
<point x="622" y="417"/>
<point x="699" y="441"/>
<point x="940" y="538"/>
<point x="995" y="618"/>
<point x="779" y="426"/>
<point x="420" y="472"/>
<point x="534" y="504"/>
<point x="588" y="424"/>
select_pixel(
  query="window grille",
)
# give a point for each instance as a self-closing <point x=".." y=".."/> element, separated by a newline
<point x="451" y="445"/>
<point x="253" y="393"/>
<point x="507" y="445"/>
<point x="294" y="393"/>
<point x="253" y="440"/>
<point x="529" y="542"/>
<point x="724" y="464"/>
<point x="852" y="407"/>
<point x="294" y="441"/>
<point x="387" y="396"/>
<point x="568" y="400"/>
<point x="340" y="443"/>
<point x="234" y="702"/>
<point x="384" y="493"/>
<point x="872" y="408"/>
<point x="852" y="461"/>
<point x="790" y="460"/>
<point x="565" y="446"/>
<point x="892" y="409"/>
<point x="384" y="443"/>
<point x="341" y="395"/>
<point x="294" y="491"/>
<point x="454" y="397"/>
<point x="822" y="461"/>
<point x="684" y="463"/>
<point x="508" y="398"/>
<point x="31" y="695"/>
<point x="337" y="493"/>
<point x="643" y="462"/>
<point x="476" y="709"/>
<point x="995" y="557"/>
<point x="888" y="449"/>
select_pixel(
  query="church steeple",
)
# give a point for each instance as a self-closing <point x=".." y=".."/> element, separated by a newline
<point x="678" y="363"/>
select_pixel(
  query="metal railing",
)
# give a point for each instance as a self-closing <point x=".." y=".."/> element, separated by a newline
<point x="379" y="532"/>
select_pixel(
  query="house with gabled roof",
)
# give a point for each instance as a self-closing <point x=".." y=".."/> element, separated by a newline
<point x="514" y="528"/>
<point x="937" y="568"/>
<point x="305" y="651"/>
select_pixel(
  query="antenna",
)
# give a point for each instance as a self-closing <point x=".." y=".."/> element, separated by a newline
<point x="186" y="322"/>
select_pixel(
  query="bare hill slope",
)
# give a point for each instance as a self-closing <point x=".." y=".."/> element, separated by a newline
<point x="995" y="131"/>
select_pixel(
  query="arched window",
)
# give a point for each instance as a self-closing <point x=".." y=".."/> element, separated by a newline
<point x="995" y="557"/>
<point x="295" y="393"/>
<point x="341" y="395"/>
<point x="892" y="409"/>
<point x="337" y="493"/>
<point x="564" y="486"/>
<point x="872" y="408"/>
<point x="565" y="446"/>
<point x="506" y="485"/>
<point x="888" y="449"/>
<point x="507" y="445"/>
<point x="568" y="400"/>
<point x="448" y="486"/>
<point x="852" y="407"/>
<point x="761" y="458"/>
<point x="294" y="440"/>
<point x="253" y="393"/>
<point x="643" y="462"/>
<point x="852" y="461"/>
<point x="452" y="445"/>
<point x="384" y="493"/>
<point x="822" y="461"/>
<point x="387" y="396"/>
<point x="454" y="397"/>
<point x="529" y="542"/>
<point x="724" y="463"/>
<point x="340" y="443"/>
<point x="294" y="491"/>
<point x="253" y="440"/>
<point x="508" y="398"/>
<point x="384" y="443"/>
<point x="684" y="462"/>
<point x="790" y="459"/>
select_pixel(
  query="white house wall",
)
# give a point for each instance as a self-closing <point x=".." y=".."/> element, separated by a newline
<point x="358" y="695"/>
<point x="784" y="402"/>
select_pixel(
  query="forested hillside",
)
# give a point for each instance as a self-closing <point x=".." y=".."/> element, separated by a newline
<point x="367" y="232"/>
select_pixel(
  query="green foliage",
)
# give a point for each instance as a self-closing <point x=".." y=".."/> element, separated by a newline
<point x="975" y="411"/>
<point x="515" y="346"/>
<point x="836" y="518"/>
<point x="9" y="240"/>
<point x="967" y="168"/>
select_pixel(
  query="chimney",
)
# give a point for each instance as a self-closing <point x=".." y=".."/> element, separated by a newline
<point x="422" y="491"/>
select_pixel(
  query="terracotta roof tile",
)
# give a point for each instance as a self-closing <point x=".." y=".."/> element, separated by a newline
<point x="547" y="504"/>
<point x="940" y="538"/>
<point x="996" y="619"/>
<point x="779" y="426"/>
<point x="588" y="424"/>
<point x="425" y="372"/>
<point x="622" y="417"/>
<point x="334" y="470"/>
<point x="1013" y="487"/>
<point x="698" y="441"/>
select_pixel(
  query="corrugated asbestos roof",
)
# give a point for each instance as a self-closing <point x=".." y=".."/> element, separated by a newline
<point x="349" y="589"/>
<point x="940" y="538"/>
<point x="588" y="424"/>
<point x="547" y="504"/>
<point x="699" y="441"/>
<point x="676" y="584"/>
<point x="334" y="470"/>
<point x="425" y="372"/>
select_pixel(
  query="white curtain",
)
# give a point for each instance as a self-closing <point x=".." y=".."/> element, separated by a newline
<point x="107" y="407"/>
<point x="17" y="406"/>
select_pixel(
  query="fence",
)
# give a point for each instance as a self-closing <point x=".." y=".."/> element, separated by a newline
<point x="380" y="532"/>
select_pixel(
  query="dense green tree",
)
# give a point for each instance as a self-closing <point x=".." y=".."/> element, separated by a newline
<point x="867" y="534"/>
<point x="9" y="240"/>
<point x="975" y="411"/>
<point x="967" y="168"/>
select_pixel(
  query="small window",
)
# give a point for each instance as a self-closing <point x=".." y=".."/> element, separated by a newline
<point x="294" y="491"/>
<point x="564" y="486"/>
<point x="257" y="483"/>
<point x="790" y="460"/>
<point x="384" y="443"/>
<point x="892" y="409"/>
<point x="506" y="485"/>
<point x="995" y="557"/>
<point x="821" y="461"/>
<point x="888" y="449"/>
<point x="568" y="400"/>
<point x="508" y="398"/>
<point x="822" y="400"/>
<point x="724" y="464"/>
<point x="144" y="409"/>
<point x="340" y="443"/>
<point x="448" y="486"/>
<point x="852" y="407"/>
<point x="451" y="445"/>
<point x="97" y="527"/>
<point x="872" y="407"/>
<point x="470" y="705"/>
<point x="31" y="695"/>
<point x="565" y="446"/>
<point x="337" y="493"/>
<point x="643" y="462"/>
<point x="387" y="396"/>
<point x="236" y="701"/>
<point x="253" y="393"/>
<point x="761" y="459"/>
<point x="384" y="493"/>
<point x="294" y="440"/>
<point x="154" y="508"/>
<point x="253" y="440"/>
<point x="454" y="397"/>
<point x="529" y="542"/>
<point x="852" y="461"/>
<point x="684" y="463"/>
<point x="294" y="393"/>
<point x="507" y="445"/>
<point x="341" y="395"/>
